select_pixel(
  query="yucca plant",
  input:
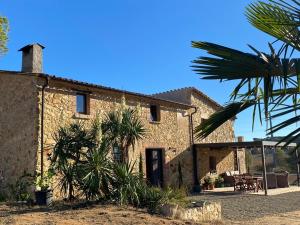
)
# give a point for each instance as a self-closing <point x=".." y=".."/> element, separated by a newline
<point x="126" y="184"/>
<point x="269" y="83"/>
<point x="95" y="174"/>
<point x="123" y="129"/>
<point x="72" y="147"/>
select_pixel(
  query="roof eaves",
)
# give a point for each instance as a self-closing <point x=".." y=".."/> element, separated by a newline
<point x="149" y="97"/>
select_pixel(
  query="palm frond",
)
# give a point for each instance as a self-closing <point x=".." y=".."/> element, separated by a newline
<point x="220" y="117"/>
<point x="277" y="18"/>
<point x="231" y="64"/>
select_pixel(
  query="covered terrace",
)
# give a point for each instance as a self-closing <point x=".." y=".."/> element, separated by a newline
<point x="261" y="145"/>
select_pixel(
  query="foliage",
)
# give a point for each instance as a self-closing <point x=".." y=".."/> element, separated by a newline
<point x="81" y="160"/>
<point x="71" y="150"/>
<point x="96" y="173"/>
<point x="125" y="184"/>
<point x="4" y="28"/>
<point x="208" y="180"/>
<point x="282" y="160"/>
<point x="43" y="182"/>
<point x="219" y="180"/>
<point x="269" y="83"/>
<point x="123" y="128"/>
<point x="20" y="190"/>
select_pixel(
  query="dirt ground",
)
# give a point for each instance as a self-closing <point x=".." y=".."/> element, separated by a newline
<point x="82" y="216"/>
<point x="237" y="210"/>
<point x="115" y="215"/>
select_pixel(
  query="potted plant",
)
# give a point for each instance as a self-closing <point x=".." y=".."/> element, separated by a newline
<point x="209" y="183"/>
<point x="43" y="192"/>
<point x="219" y="182"/>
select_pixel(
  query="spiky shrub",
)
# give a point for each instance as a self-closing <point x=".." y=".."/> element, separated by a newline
<point x="96" y="173"/>
<point x="126" y="184"/>
<point x="70" y="152"/>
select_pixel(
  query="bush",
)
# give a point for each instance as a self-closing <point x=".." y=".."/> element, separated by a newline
<point x="126" y="184"/>
<point x="20" y="190"/>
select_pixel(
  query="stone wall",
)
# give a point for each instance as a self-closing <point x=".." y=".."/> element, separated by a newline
<point x="18" y="127"/>
<point x="202" y="211"/>
<point x="224" y="133"/>
<point x="171" y="133"/>
<point x="224" y="159"/>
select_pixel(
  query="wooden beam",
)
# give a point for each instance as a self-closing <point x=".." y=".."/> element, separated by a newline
<point x="263" y="159"/>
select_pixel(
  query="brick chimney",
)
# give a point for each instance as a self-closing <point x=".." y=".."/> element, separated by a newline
<point x="32" y="58"/>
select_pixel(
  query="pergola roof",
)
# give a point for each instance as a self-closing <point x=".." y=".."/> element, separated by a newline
<point x="248" y="144"/>
<point x="245" y="144"/>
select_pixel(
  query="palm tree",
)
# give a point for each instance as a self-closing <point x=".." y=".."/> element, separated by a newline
<point x="269" y="83"/>
<point x="123" y="129"/>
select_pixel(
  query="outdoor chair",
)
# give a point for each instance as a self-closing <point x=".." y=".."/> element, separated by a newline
<point x="229" y="178"/>
<point x="271" y="180"/>
<point x="282" y="179"/>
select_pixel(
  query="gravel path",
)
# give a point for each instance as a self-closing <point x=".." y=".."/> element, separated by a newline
<point x="248" y="207"/>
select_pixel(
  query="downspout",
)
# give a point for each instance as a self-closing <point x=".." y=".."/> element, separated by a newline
<point x="196" y="187"/>
<point x="42" y="125"/>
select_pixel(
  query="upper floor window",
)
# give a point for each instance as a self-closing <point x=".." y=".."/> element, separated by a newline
<point x="154" y="113"/>
<point x="81" y="103"/>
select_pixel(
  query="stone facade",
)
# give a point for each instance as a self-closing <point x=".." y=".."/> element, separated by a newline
<point x="171" y="133"/>
<point x="199" y="212"/>
<point x="205" y="108"/>
<point x="18" y="127"/>
<point x="20" y="116"/>
<point x="226" y="160"/>
<point x="224" y="133"/>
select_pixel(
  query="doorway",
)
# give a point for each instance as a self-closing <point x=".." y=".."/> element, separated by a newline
<point x="154" y="166"/>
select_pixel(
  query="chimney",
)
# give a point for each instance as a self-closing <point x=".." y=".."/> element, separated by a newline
<point x="32" y="58"/>
<point x="240" y="138"/>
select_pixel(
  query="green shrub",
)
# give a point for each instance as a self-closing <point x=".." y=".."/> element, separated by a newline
<point x="20" y="190"/>
<point x="208" y="180"/>
<point x="95" y="174"/>
<point x="126" y="184"/>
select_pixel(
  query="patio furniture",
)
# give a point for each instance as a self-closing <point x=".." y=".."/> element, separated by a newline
<point x="239" y="183"/>
<point x="271" y="180"/>
<point x="250" y="183"/>
<point x="228" y="177"/>
<point x="282" y="179"/>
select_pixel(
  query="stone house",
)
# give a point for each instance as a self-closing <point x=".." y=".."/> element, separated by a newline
<point x="34" y="105"/>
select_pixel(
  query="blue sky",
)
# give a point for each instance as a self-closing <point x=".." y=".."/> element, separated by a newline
<point x="141" y="46"/>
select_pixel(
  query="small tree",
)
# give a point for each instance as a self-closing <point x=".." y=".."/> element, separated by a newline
<point x="123" y="128"/>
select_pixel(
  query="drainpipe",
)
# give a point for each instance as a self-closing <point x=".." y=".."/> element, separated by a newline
<point x="196" y="187"/>
<point x="42" y="125"/>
